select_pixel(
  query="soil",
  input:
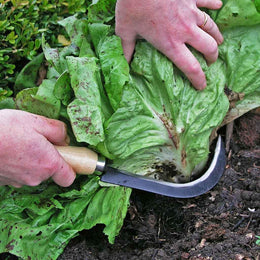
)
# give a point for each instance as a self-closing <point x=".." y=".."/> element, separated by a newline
<point x="222" y="224"/>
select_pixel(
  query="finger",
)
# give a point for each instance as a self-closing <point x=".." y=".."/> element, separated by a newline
<point x="64" y="175"/>
<point x="54" y="130"/>
<point x="205" y="44"/>
<point x="211" y="4"/>
<point x="208" y="25"/>
<point x="124" y="29"/>
<point x="188" y="64"/>
<point x="128" y="48"/>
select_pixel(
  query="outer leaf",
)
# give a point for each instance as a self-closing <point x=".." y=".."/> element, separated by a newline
<point x="40" y="100"/>
<point x="86" y="121"/>
<point x="76" y="28"/>
<point x="85" y="112"/>
<point x="113" y="63"/>
<point x="236" y="13"/>
<point x="28" y="76"/>
<point x="62" y="89"/>
<point x="57" y="58"/>
<point x="103" y="210"/>
<point x="242" y="55"/>
<point x="241" y="51"/>
<point x="37" y="222"/>
<point x="243" y="106"/>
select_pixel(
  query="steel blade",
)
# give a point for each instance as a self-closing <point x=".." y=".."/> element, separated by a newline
<point x="177" y="190"/>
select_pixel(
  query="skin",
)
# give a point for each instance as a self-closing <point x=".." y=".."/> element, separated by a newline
<point x="171" y="25"/>
<point x="27" y="154"/>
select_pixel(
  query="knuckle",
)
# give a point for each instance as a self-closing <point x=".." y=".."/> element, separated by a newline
<point x="168" y="46"/>
<point x="33" y="182"/>
<point x="30" y="180"/>
<point x="194" y="69"/>
<point x="213" y="50"/>
<point x="187" y="29"/>
<point x="193" y="10"/>
<point x="210" y="25"/>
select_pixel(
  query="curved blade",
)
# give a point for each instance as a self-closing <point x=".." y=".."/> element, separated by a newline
<point x="177" y="190"/>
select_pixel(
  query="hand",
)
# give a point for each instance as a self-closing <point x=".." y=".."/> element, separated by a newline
<point x="27" y="154"/>
<point x="169" y="25"/>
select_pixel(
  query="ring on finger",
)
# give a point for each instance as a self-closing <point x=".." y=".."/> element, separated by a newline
<point x="205" y="19"/>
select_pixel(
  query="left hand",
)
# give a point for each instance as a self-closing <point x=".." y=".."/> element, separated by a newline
<point x="170" y="25"/>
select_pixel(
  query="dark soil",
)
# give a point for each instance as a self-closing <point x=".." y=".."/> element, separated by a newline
<point x="220" y="225"/>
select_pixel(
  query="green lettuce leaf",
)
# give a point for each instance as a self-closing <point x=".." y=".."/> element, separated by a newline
<point x="236" y="13"/>
<point x="62" y="89"/>
<point x="29" y="74"/>
<point x="85" y="111"/>
<point x="77" y="30"/>
<point x="38" y="222"/>
<point x="39" y="100"/>
<point x="241" y="53"/>
<point x="113" y="64"/>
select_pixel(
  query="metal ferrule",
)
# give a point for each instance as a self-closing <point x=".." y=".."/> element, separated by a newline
<point x="101" y="163"/>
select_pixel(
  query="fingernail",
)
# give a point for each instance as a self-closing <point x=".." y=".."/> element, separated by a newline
<point x="219" y="3"/>
<point x="202" y="86"/>
<point x="66" y="128"/>
<point x="209" y="63"/>
<point x="220" y="41"/>
<point x="67" y="140"/>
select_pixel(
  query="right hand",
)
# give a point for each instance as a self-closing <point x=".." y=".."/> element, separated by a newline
<point x="171" y="25"/>
<point x="27" y="154"/>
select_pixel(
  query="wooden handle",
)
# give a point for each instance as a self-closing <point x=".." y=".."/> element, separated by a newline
<point x="81" y="159"/>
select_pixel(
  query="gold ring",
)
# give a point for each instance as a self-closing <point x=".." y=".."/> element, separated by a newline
<point x="205" y="19"/>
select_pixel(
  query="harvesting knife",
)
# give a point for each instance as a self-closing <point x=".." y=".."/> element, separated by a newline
<point x="85" y="161"/>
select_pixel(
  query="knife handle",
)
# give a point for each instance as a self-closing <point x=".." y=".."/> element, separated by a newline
<point x="81" y="159"/>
